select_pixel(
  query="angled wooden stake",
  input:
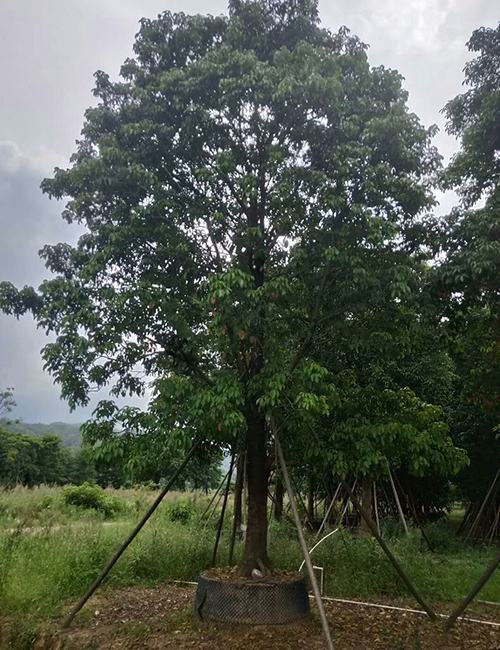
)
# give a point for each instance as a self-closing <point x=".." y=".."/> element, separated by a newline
<point x="387" y="551"/>
<point x="131" y="537"/>
<point x="493" y="485"/>
<point x="398" y="503"/>
<point x="327" y="513"/>
<point x="302" y="540"/>
<point x="375" y="506"/>
<point x="224" y="504"/>
<point x="214" y="497"/>
<point x="472" y="594"/>
<point x="238" y="501"/>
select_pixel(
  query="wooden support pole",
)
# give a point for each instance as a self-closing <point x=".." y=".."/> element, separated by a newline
<point x="483" y="505"/>
<point x="398" y="503"/>
<point x="131" y="537"/>
<point x="214" y="497"/>
<point x="472" y="594"/>
<point x="302" y="504"/>
<point x="303" y="544"/>
<point x="224" y="504"/>
<point x="327" y="514"/>
<point x="387" y="551"/>
<point x="494" y="526"/>
<point x="375" y="506"/>
<point x="411" y="506"/>
<point x="346" y="505"/>
<point x="278" y="498"/>
<point x="468" y="513"/>
<point x="237" y="510"/>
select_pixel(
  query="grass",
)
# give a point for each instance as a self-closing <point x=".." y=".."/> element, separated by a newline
<point x="50" y="554"/>
<point x="44" y="506"/>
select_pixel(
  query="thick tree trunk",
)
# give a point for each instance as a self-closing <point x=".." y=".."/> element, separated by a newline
<point x="310" y="499"/>
<point x="278" y="498"/>
<point x="255" y="556"/>
<point x="366" y="502"/>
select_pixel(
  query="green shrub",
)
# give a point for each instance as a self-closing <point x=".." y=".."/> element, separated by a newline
<point x="47" y="502"/>
<point x="180" y="511"/>
<point x="91" y="497"/>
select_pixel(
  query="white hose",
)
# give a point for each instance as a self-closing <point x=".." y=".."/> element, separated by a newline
<point x="316" y="546"/>
<point x="410" y="611"/>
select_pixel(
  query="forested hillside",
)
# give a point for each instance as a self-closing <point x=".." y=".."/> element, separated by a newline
<point x="69" y="433"/>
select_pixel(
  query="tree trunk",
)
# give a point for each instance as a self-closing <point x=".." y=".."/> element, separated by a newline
<point x="310" y="499"/>
<point x="278" y="498"/>
<point x="366" y="503"/>
<point x="255" y="556"/>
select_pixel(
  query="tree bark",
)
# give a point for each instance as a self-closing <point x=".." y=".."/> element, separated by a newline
<point x="278" y="498"/>
<point x="366" y="503"/>
<point x="255" y="555"/>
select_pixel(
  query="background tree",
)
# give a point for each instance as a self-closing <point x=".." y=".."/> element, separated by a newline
<point x="7" y="402"/>
<point x="467" y="282"/>
<point x="218" y="181"/>
<point x="29" y="460"/>
<point x="394" y="383"/>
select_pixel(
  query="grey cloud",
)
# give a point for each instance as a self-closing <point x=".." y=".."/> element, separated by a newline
<point x="49" y="53"/>
<point x="424" y="40"/>
<point x="28" y="220"/>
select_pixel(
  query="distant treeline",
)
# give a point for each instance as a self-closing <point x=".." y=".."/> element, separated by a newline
<point x="31" y="460"/>
<point x="69" y="433"/>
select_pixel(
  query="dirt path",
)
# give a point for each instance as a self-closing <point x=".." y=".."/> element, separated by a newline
<point x="153" y="619"/>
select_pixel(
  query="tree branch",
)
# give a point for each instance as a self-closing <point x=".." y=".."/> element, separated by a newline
<point x="314" y="320"/>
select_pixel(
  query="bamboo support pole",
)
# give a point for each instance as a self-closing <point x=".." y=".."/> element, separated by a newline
<point x="413" y="509"/>
<point x="302" y="504"/>
<point x="494" y="526"/>
<point x="346" y="505"/>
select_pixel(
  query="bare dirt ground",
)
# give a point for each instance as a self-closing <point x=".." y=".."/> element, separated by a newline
<point x="153" y="619"/>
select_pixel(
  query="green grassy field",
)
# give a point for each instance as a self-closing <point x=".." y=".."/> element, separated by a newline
<point x="50" y="552"/>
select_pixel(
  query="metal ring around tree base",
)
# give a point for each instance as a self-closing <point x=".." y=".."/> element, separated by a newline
<point x="251" y="602"/>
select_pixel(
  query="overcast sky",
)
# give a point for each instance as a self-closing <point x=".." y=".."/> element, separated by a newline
<point x="49" y="50"/>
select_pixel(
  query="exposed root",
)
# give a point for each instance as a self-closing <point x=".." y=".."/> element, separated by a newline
<point x="245" y="570"/>
<point x="263" y="568"/>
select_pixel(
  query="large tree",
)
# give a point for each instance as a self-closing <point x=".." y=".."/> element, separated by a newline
<point x="467" y="281"/>
<point x="223" y="182"/>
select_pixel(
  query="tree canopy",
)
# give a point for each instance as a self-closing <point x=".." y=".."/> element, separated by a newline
<point x="466" y="280"/>
<point x="252" y="192"/>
